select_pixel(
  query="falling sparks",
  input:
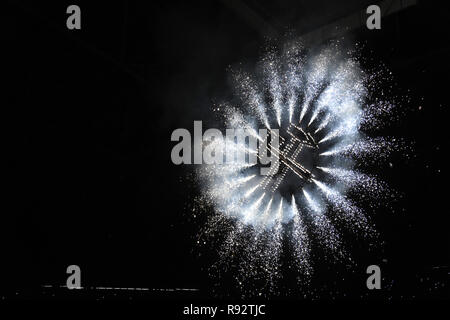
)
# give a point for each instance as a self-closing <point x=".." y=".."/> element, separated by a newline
<point x="319" y="104"/>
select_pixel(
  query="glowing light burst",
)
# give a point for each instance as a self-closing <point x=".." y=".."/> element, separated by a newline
<point x="319" y="103"/>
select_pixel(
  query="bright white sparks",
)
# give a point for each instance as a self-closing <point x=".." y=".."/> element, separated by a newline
<point x="318" y="104"/>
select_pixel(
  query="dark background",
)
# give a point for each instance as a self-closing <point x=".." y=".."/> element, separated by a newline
<point x="87" y="119"/>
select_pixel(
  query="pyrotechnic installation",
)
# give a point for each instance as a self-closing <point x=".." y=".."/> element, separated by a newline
<point x="327" y="110"/>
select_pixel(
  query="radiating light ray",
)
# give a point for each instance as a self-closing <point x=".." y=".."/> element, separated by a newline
<point x="359" y="181"/>
<point x="254" y="99"/>
<point x="251" y="212"/>
<point x="267" y="210"/>
<point x="324" y="123"/>
<point x="291" y="104"/>
<point x="378" y="148"/>
<point x="348" y="127"/>
<point x="316" y="112"/>
<point x="235" y="119"/>
<point x="277" y="101"/>
<point x="250" y="192"/>
<point x="279" y="216"/>
<point x="312" y="203"/>
<point x="314" y="116"/>
<point x="303" y="111"/>
<point x="294" y="206"/>
<point x="300" y="240"/>
<point x="240" y="181"/>
<point x="352" y="214"/>
<point x="323" y="227"/>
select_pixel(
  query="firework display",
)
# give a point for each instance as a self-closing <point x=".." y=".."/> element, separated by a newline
<point x="320" y="104"/>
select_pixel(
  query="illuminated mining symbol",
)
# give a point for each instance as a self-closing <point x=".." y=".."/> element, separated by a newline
<point x="293" y="141"/>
